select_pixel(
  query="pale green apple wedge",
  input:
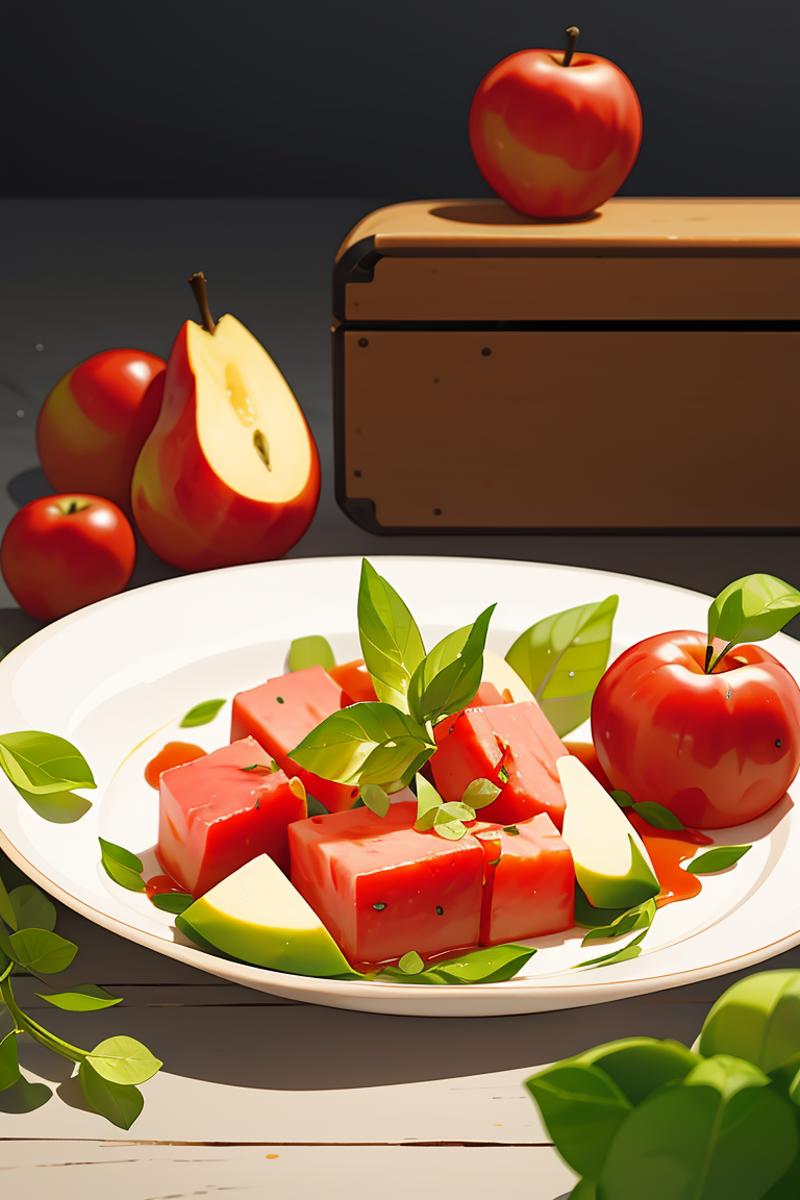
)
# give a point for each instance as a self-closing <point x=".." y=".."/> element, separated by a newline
<point x="612" y="865"/>
<point x="257" y="915"/>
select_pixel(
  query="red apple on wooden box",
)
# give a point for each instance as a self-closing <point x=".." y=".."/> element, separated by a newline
<point x="230" y="472"/>
<point x="555" y="133"/>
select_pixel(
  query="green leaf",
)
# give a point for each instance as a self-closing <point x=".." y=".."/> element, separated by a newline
<point x="119" y="1103"/>
<point x="719" y="858"/>
<point x="428" y="803"/>
<point x="370" y="742"/>
<point x="121" y="865"/>
<point x="640" y="1066"/>
<point x="480" y="792"/>
<point x="586" y="915"/>
<point x="411" y="963"/>
<point x="657" y="815"/>
<point x="7" y="912"/>
<point x="123" y="1060"/>
<point x="639" y="917"/>
<point x="720" y="1132"/>
<point x="9" y="1061"/>
<point x="202" y="714"/>
<point x="623" y="799"/>
<point x="172" y="902"/>
<point x="794" y="1088"/>
<point x="311" y="651"/>
<point x="449" y="820"/>
<point x="42" y="764"/>
<point x="631" y="950"/>
<point x="84" y="997"/>
<point x="752" y="609"/>
<point x="583" y="1109"/>
<point x="562" y="658"/>
<point x="391" y="643"/>
<point x="32" y="909"/>
<point x="495" y="964"/>
<point x="758" y="1019"/>
<point x="448" y="678"/>
<point x="41" y="951"/>
<point x="585" y="1189"/>
<point x="375" y="799"/>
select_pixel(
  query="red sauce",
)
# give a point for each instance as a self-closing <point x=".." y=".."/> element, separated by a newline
<point x="160" y="885"/>
<point x="174" y="754"/>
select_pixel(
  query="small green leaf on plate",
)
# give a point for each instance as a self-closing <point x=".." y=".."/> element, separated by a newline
<point x="43" y="764"/>
<point x="119" y="1103"/>
<point x="84" y="997"/>
<point x="632" y="950"/>
<point x="639" y="917"/>
<point x="449" y="820"/>
<point x="41" y="951"/>
<point x="480" y="792"/>
<point x="391" y="643"/>
<point x="375" y="799"/>
<point x="311" y="651"/>
<point x="123" y="1060"/>
<point x="411" y="963"/>
<point x="719" y="858"/>
<point x="124" y="867"/>
<point x="202" y="714"/>
<point x="428" y="803"/>
<point x="456" y="810"/>
<point x="370" y="742"/>
<point x="623" y="799"/>
<point x="562" y="658"/>
<point x="32" y="908"/>
<point x="495" y="964"/>
<point x="657" y="815"/>
<point x="752" y="609"/>
<point x="9" y="1061"/>
<point x="172" y="902"/>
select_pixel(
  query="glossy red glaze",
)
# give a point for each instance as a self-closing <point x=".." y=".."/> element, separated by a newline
<point x="55" y="560"/>
<point x="716" y="749"/>
<point x="161" y="885"/>
<point x="555" y="141"/>
<point x="668" y="850"/>
<point x="174" y="754"/>
<point x="187" y="515"/>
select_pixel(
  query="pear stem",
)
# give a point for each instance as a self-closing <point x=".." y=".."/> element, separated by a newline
<point x="573" y="33"/>
<point x="199" y="285"/>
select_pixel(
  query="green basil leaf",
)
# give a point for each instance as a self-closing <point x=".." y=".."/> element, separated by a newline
<point x="448" y="678"/>
<point x="632" y="950"/>
<point x="43" y="764"/>
<point x="41" y="951"/>
<point x="639" y="917"/>
<point x="623" y="799"/>
<point x="479" y="793"/>
<point x="9" y="1061"/>
<point x="752" y="609"/>
<point x="172" y="902"/>
<point x="428" y="803"/>
<point x="121" y="865"/>
<point x="32" y="909"/>
<point x="202" y="714"/>
<point x="449" y="828"/>
<point x="7" y="912"/>
<point x="84" y="997"/>
<point x="640" y="1066"/>
<point x="657" y="815"/>
<point x="720" y="1132"/>
<point x="119" y="1103"/>
<point x="562" y="658"/>
<point x="455" y="810"/>
<point x="24" y="1097"/>
<point x="788" y="1186"/>
<point x="494" y="964"/>
<point x="391" y="643"/>
<point x="719" y="858"/>
<point x="311" y="651"/>
<point x="123" y="1060"/>
<point x="583" y="1109"/>
<point x="757" y="1019"/>
<point x="370" y="742"/>
<point x="411" y="963"/>
<point x="375" y="799"/>
<point x="585" y="1189"/>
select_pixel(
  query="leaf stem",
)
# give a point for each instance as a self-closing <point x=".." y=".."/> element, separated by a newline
<point x="39" y="1034"/>
<point x="718" y="659"/>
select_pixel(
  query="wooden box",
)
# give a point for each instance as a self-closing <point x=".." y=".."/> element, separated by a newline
<point x="637" y="369"/>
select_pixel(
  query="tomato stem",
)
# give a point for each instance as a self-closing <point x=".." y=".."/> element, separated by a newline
<point x="572" y="33"/>
<point x="199" y="285"/>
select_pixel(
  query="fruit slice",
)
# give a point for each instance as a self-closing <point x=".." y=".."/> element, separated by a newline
<point x="529" y="881"/>
<point x="612" y="865"/>
<point x="257" y="915"/>
<point x="355" y="680"/>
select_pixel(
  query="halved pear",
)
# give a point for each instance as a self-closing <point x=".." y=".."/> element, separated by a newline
<point x="257" y="915"/>
<point x="612" y="865"/>
<point x="498" y="672"/>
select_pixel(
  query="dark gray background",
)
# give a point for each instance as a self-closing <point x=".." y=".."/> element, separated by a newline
<point x="366" y="97"/>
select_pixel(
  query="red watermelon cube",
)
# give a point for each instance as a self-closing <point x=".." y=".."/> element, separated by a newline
<point x="529" y="881"/>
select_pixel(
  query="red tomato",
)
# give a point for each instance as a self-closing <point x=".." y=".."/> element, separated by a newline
<point x="62" y="552"/>
<point x="716" y="749"/>
<point x="555" y="140"/>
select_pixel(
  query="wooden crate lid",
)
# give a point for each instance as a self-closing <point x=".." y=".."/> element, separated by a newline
<point x="651" y="223"/>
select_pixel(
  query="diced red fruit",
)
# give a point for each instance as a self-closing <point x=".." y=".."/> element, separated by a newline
<point x="529" y="881"/>
<point x="382" y="889"/>
<point x="279" y="714"/>
<point x="355" y="680"/>
<point x="487" y="695"/>
<point x="515" y="746"/>
<point x="214" y="816"/>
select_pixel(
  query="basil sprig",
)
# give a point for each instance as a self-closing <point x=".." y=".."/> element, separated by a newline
<point x="391" y="643"/>
<point x="495" y="964"/>
<point x="368" y="743"/>
<point x="562" y="658"/>
<point x="750" y="609"/>
<point x="109" y="1074"/>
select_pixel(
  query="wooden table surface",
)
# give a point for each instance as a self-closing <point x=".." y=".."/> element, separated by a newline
<point x="259" y="1096"/>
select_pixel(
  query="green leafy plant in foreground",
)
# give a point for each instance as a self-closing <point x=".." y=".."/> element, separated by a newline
<point x="109" y="1074"/>
<point x="642" y="1117"/>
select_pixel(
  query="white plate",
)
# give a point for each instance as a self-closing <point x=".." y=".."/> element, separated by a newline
<point x="121" y="673"/>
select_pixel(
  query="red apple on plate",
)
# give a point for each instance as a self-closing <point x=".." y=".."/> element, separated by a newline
<point x="555" y="133"/>
<point x="94" y="422"/>
<point x="230" y="472"/>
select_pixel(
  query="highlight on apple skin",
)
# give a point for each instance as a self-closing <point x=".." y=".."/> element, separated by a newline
<point x="230" y="472"/>
<point x="95" y="420"/>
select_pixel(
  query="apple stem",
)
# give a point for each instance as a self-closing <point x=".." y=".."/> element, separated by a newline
<point x="718" y="659"/>
<point x="199" y="285"/>
<point x="573" y="33"/>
